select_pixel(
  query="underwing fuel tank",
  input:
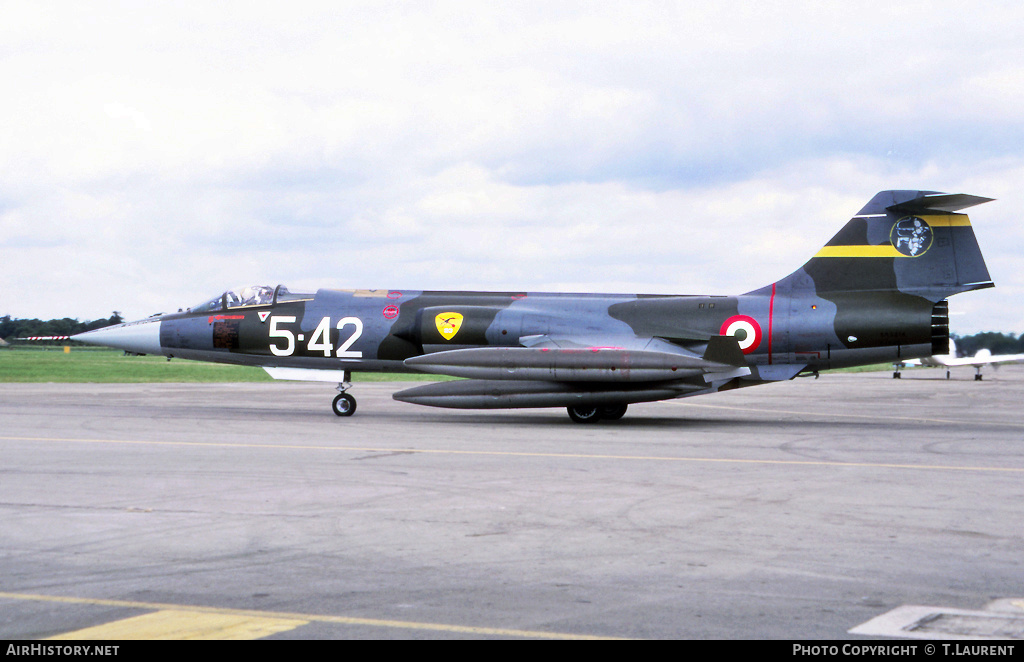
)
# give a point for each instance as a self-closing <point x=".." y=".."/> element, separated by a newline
<point x="513" y="377"/>
<point x="506" y="394"/>
<point x="570" y="365"/>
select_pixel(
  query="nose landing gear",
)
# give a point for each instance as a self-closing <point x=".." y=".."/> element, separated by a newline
<point x="344" y="404"/>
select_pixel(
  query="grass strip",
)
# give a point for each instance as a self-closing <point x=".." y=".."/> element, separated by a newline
<point x="108" y="366"/>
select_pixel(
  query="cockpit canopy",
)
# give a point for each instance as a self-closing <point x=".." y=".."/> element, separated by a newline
<point x="251" y="295"/>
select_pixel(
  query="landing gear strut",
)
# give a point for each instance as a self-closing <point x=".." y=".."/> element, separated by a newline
<point x="344" y="404"/>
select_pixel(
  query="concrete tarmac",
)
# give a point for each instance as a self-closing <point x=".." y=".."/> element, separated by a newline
<point x="798" y="510"/>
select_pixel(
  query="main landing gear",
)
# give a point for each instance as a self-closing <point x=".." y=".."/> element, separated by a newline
<point x="344" y="404"/>
<point x="595" y="413"/>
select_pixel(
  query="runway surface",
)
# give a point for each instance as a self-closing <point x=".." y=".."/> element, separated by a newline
<point x="798" y="510"/>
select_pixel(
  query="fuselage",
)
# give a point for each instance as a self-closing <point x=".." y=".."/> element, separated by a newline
<point x="377" y="330"/>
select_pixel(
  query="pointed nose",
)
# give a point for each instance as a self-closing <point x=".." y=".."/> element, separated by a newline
<point x="141" y="337"/>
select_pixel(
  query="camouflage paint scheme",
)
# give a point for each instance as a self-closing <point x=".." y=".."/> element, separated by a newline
<point x="875" y="293"/>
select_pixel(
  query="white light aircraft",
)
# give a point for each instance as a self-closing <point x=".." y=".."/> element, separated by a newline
<point x="983" y="358"/>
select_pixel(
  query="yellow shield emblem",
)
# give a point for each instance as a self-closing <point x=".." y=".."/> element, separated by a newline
<point x="448" y="324"/>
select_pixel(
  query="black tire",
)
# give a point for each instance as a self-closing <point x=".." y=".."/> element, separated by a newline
<point x="344" y="405"/>
<point x="585" y="413"/>
<point x="613" y="412"/>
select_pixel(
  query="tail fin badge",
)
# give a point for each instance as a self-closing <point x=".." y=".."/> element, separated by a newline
<point x="911" y="236"/>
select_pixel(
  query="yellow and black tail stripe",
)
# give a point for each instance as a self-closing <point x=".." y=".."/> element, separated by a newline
<point x="889" y="250"/>
<point x="885" y="250"/>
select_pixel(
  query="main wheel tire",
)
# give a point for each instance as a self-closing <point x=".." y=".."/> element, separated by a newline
<point x="344" y="405"/>
<point x="613" y="412"/>
<point x="585" y="413"/>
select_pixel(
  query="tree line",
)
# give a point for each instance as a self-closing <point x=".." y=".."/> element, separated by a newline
<point x="11" y="328"/>
<point x="997" y="343"/>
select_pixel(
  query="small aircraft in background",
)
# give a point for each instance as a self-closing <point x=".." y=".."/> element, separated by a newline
<point x="950" y="359"/>
<point x="875" y="293"/>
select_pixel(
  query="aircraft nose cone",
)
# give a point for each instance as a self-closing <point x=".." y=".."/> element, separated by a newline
<point x="137" y="337"/>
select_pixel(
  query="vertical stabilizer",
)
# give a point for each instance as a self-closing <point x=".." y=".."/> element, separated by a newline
<point x="911" y="242"/>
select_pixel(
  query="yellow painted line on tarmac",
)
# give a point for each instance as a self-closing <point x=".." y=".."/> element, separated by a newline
<point x="480" y="453"/>
<point x="284" y="617"/>
<point x="186" y="625"/>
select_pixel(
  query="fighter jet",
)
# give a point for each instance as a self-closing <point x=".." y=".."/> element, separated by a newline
<point x="950" y="359"/>
<point x="875" y="293"/>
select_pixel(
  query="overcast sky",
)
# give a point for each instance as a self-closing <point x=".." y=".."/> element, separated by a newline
<point x="155" y="154"/>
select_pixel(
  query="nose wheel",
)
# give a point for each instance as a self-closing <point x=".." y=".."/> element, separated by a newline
<point x="344" y="404"/>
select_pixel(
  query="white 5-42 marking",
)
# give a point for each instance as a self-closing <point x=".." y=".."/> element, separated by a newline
<point x="275" y="332"/>
<point x="343" y="350"/>
<point x="320" y="341"/>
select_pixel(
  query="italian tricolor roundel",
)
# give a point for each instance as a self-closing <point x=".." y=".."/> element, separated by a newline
<point x="746" y="329"/>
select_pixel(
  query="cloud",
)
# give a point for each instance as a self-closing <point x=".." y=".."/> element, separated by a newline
<point x="154" y="155"/>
